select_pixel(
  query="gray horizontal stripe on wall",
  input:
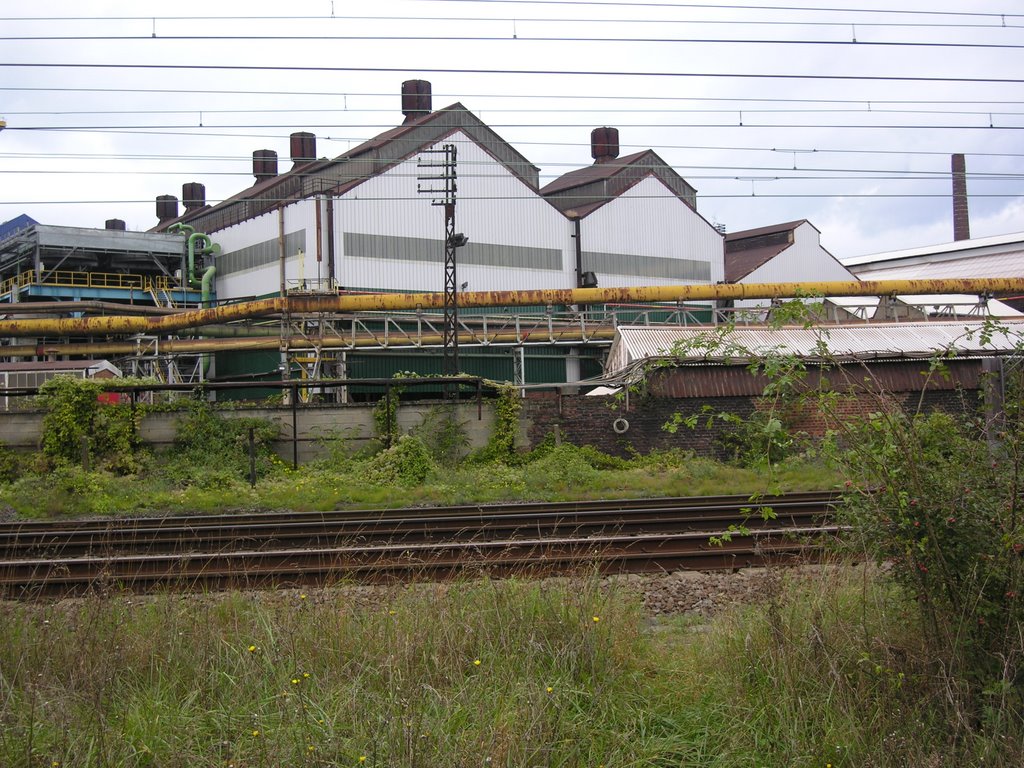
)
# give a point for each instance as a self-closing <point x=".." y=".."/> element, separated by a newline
<point x="260" y="254"/>
<point x="646" y="266"/>
<point x="424" y="249"/>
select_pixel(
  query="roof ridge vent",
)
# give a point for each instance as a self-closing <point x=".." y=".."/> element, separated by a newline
<point x="604" y="144"/>
<point x="416" y="99"/>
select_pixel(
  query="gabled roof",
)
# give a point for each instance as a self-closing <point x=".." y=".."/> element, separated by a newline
<point x="359" y="164"/>
<point x="749" y="249"/>
<point x="581" y="192"/>
<point x="591" y="173"/>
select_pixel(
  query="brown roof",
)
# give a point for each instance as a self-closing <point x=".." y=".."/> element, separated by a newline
<point x="770" y="229"/>
<point x="591" y="173"/>
<point x="747" y="250"/>
<point x="581" y="192"/>
<point x="293" y="184"/>
<point x="739" y="264"/>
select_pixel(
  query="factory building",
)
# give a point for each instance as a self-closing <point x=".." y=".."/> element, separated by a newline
<point x="369" y="220"/>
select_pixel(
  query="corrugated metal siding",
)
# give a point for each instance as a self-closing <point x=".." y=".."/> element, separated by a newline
<point x="876" y="376"/>
<point x="516" y="240"/>
<point x="365" y="246"/>
<point x="646" y="223"/>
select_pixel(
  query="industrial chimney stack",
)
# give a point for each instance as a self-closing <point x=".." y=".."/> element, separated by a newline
<point x="961" y="218"/>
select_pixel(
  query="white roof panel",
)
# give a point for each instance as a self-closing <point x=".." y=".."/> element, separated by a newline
<point x="876" y="340"/>
<point x="1006" y="264"/>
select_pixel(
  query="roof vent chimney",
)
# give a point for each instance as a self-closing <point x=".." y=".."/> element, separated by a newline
<point x="961" y="218"/>
<point x="264" y="164"/>
<point x="117" y="224"/>
<point x="604" y="144"/>
<point x="166" y="207"/>
<point x="194" y="195"/>
<point x="416" y="99"/>
<point x="303" y="148"/>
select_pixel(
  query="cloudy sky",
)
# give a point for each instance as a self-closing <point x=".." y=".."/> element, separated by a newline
<point x="811" y="110"/>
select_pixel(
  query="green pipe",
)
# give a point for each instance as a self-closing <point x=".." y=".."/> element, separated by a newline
<point x="202" y="244"/>
<point x="205" y="246"/>
<point x="207" y="286"/>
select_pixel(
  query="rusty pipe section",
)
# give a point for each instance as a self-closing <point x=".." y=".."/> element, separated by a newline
<point x="114" y="325"/>
<point x="197" y="346"/>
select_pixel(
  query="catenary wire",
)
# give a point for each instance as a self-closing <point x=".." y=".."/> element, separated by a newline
<point x="507" y="38"/>
<point x="541" y="96"/>
<point x="517" y="72"/>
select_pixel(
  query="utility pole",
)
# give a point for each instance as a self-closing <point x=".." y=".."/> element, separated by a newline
<point x="443" y="184"/>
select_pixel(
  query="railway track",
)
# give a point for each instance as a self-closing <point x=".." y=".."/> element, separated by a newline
<point x="48" y="558"/>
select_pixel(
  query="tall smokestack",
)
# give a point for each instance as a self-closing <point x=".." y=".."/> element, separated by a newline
<point x="961" y="218"/>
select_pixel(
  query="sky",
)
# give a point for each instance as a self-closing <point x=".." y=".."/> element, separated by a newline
<point x="842" y="113"/>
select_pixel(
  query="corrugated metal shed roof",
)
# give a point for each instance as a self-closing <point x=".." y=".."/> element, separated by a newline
<point x="1006" y="264"/>
<point x="878" y="340"/>
<point x="935" y="250"/>
<point x="591" y="173"/>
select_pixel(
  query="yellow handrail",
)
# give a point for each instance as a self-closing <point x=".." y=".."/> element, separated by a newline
<point x="70" y="279"/>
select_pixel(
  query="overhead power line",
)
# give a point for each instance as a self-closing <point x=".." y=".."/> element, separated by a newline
<point x="735" y="196"/>
<point x="702" y="6"/>
<point x="512" y="96"/>
<point x="511" y="38"/>
<point x="738" y="124"/>
<point x="718" y="6"/>
<point x="518" y="72"/>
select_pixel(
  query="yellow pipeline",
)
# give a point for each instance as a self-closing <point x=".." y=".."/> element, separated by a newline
<point x="195" y="346"/>
<point x="88" y="326"/>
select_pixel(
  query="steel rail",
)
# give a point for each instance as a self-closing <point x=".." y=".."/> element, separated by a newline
<point x="624" y="506"/>
<point x="314" y="529"/>
<point x="423" y="548"/>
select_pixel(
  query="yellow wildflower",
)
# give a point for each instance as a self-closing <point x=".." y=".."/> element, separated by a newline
<point x="252" y="649"/>
<point x="310" y="748"/>
<point x="255" y="733"/>
<point x="550" y="689"/>
<point x="362" y="758"/>
<point x="305" y="674"/>
<point x="295" y="681"/>
<point x="597" y="619"/>
<point x="476" y="662"/>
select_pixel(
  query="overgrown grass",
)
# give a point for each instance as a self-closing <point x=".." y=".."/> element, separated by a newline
<point x="827" y="670"/>
<point x="402" y="476"/>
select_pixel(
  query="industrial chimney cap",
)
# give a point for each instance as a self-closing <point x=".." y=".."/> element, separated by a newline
<point x="416" y="99"/>
<point x="604" y="144"/>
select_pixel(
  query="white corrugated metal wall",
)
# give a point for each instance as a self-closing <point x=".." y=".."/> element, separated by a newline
<point x="388" y="236"/>
<point x="495" y="210"/>
<point x="645" y="224"/>
<point x="803" y="261"/>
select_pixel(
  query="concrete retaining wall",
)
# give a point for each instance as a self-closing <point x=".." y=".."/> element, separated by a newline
<point x="313" y="427"/>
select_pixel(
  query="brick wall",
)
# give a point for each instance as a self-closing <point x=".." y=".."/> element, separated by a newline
<point x="585" y="420"/>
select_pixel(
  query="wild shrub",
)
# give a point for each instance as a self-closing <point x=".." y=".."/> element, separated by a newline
<point x="501" y="446"/>
<point x="565" y="466"/>
<point x="407" y="462"/>
<point x="443" y="435"/>
<point x="944" y="509"/>
<point x="11" y="464"/>
<point x="76" y="419"/>
<point x="210" y="449"/>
